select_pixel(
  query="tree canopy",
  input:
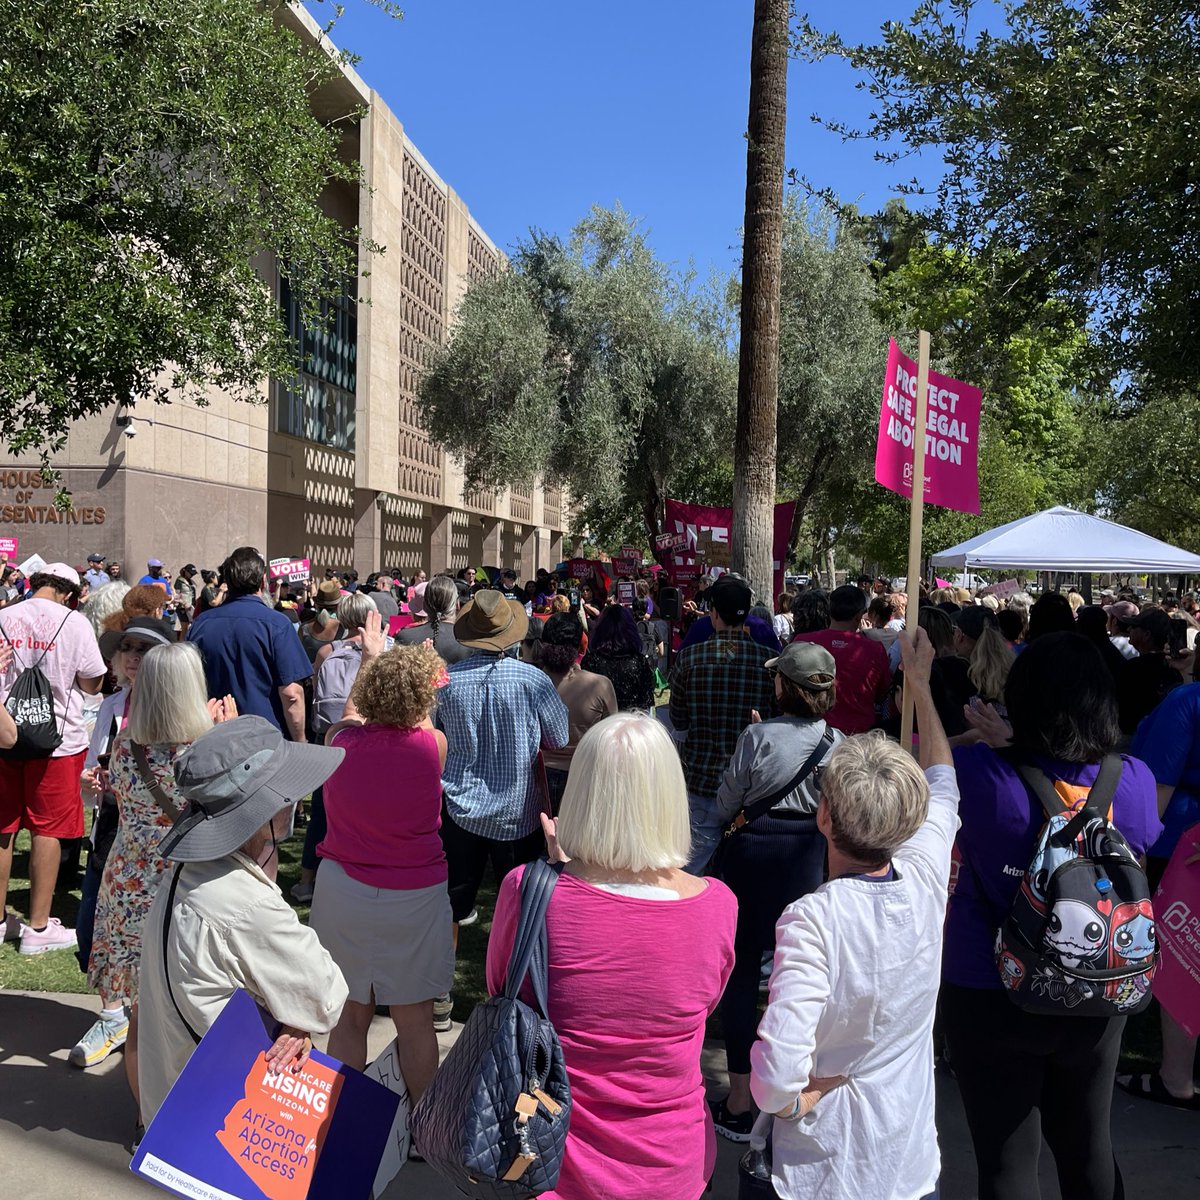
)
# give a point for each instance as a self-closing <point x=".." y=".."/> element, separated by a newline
<point x="587" y="363"/>
<point x="1070" y="134"/>
<point x="151" y="152"/>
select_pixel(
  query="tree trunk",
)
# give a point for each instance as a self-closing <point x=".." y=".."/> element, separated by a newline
<point x="758" y="369"/>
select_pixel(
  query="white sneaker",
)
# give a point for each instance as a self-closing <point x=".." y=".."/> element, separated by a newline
<point x="105" y="1036"/>
<point x="55" y="936"/>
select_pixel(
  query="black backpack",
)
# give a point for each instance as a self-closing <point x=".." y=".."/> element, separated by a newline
<point x="30" y="703"/>
<point x="1079" y="939"/>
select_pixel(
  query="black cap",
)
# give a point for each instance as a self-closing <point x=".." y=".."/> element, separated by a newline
<point x="1155" y="622"/>
<point x="732" y="599"/>
<point x="95" y="558"/>
<point x="973" y="620"/>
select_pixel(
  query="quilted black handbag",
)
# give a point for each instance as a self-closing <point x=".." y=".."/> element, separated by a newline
<point x="494" y="1119"/>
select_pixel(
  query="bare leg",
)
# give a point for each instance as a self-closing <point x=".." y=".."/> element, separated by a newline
<point x="348" y="1041"/>
<point x="131" y="1060"/>
<point x="43" y="874"/>
<point x="738" y="1100"/>
<point x="6" y="854"/>
<point x="1178" y="1059"/>
<point x="417" y="1044"/>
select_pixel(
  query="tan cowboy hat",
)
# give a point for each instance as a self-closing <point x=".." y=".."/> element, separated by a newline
<point x="491" y="622"/>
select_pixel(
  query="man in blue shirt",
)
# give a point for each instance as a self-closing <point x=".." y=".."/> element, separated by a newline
<point x="155" y="574"/>
<point x="497" y="713"/>
<point x="96" y="575"/>
<point x="251" y="652"/>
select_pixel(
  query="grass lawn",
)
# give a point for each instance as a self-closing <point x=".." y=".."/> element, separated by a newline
<point x="59" y="971"/>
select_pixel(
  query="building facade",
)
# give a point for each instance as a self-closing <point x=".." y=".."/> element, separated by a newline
<point x="336" y="468"/>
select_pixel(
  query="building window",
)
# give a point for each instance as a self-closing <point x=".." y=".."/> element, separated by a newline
<point x="318" y="403"/>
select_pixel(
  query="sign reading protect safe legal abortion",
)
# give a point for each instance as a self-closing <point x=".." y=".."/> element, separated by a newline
<point x="951" y="436"/>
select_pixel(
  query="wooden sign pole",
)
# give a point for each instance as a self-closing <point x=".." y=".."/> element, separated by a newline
<point x="916" y="520"/>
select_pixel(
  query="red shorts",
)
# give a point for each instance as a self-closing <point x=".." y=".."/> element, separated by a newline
<point x="42" y="795"/>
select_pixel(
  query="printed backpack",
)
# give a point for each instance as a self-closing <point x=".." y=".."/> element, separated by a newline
<point x="1079" y="939"/>
<point x="30" y="703"/>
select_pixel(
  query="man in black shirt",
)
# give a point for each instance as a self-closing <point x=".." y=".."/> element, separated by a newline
<point x="1145" y="680"/>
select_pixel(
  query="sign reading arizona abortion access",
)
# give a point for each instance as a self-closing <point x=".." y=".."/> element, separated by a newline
<point x="230" y="1129"/>
<point x="951" y="436"/>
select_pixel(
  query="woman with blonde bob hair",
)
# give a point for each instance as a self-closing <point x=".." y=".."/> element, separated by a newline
<point x="638" y="955"/>
<point x="381" y="904"/>
<point x="168" y="710"/>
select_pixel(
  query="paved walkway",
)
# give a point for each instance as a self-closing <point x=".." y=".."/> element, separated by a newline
<point x="62" y="1130"/>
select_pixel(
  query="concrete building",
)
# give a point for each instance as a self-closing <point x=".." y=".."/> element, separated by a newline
<point x="337" y="469"/>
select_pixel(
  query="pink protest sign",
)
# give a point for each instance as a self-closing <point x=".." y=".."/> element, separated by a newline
<point x="951" y="436"/>
<point x="291" y="570"/>
<point x="8" y="547"/>
<point x="1177" y="922"/>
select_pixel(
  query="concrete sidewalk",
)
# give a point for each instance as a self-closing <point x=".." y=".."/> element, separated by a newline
<point x="63" y="1131"/>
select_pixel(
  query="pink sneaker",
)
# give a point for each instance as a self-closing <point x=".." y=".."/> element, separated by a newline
<point x="54" y="937"/>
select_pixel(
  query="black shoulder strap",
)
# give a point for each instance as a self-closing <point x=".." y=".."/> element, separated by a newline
<point x="762" y="806"/>
<point x="529" y="953"/>
<point x="1043" y="788"/>
<point x="152" y="785"/>
<point x="166" y="953"/>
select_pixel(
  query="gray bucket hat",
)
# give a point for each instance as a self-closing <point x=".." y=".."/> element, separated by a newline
<point x="236" y="778"/>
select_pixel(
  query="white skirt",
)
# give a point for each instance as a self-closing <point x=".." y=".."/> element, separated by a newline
<point x="394" y="946"/>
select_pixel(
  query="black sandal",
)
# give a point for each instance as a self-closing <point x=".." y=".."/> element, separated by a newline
<point x="1151" y="1087"/>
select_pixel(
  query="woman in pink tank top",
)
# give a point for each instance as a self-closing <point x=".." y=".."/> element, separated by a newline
<point x="380" y="904"/>
<point x="639" y="952"/>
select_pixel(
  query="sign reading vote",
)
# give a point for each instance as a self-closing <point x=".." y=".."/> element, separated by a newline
<point x="951" y="436"/>
<point x="232" y="1129"/>
<point x="290" y="570"/>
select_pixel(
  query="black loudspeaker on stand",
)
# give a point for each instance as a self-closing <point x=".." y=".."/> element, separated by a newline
<point x="670" y="604"/>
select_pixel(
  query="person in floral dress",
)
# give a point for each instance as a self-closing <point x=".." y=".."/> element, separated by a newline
<point x="169" y="709"/>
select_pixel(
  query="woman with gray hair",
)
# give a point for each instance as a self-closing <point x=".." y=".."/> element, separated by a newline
<point x="168" y="710"/>
<point x="337" y="663"/>
<point x="439" y="605"/>
<point x="103" y="602"/>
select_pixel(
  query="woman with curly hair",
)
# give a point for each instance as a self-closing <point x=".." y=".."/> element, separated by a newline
<point x="381" y="905"/>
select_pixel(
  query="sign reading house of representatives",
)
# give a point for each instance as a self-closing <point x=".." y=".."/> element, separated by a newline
<point x="951" y="436"/>
<point x="27" y="499"/>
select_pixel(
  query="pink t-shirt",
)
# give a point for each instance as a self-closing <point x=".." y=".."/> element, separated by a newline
<point x="33" y="627"/>
<point x="384" y="807"/>
<point x="632" y="982"/>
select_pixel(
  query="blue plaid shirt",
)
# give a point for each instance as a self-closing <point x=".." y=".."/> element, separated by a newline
<point x="497" y="713"/>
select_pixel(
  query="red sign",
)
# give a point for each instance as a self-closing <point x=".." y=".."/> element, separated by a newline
<point x="951" y="436"/>
<point x="625" y="568"/>
<point x="581" y="568"/>
<point x="689" y="521"/>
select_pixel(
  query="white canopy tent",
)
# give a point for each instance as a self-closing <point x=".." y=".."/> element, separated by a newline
<point x="1062" y="539"/>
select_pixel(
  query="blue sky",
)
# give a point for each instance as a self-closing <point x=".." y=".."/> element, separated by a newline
<point x="533" y="110"/>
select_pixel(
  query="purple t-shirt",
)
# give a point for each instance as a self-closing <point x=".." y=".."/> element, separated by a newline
<point x="1001" y="823"/>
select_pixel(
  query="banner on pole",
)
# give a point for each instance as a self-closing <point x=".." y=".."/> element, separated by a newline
<point x="951" y="436"/>
<point x="691" y="521"/>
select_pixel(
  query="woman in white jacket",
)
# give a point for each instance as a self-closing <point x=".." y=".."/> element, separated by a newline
<point x="844" y="1056"/>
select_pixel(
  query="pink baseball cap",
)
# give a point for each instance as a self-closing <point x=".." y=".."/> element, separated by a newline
<point x="416" y="600"/>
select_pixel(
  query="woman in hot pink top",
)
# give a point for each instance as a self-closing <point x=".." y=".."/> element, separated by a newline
<point x="380" y="903"/>
<point x="639" y="952"/>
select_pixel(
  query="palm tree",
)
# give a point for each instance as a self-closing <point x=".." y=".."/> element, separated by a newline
<point x="758" y="371"/>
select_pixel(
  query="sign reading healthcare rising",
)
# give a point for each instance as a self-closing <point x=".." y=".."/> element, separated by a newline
<point x="230" y="1129"/>
<point x="951" y="436"/>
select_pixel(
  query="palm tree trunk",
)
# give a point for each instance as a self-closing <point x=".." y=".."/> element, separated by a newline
<point x="758" y="372"/>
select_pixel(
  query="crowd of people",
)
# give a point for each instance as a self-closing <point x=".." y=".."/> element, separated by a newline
<point x="762" y="829"/>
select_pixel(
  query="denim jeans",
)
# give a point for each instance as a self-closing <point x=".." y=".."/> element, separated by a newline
<point x="706" y="831"/>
